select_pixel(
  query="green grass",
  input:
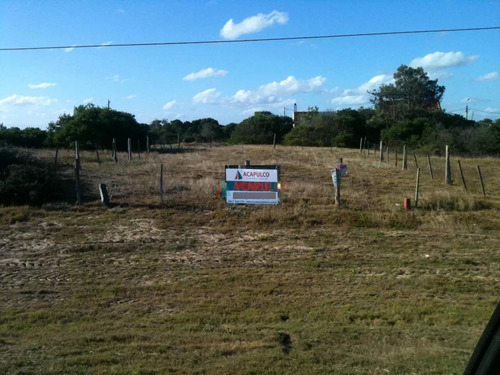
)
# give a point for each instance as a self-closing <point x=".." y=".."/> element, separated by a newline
<point x="195" y="286"/>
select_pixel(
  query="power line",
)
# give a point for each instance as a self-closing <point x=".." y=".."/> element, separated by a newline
<point x="250" y="40"/>
<point x="478" y="110"/>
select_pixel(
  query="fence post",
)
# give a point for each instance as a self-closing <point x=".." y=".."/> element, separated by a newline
<point x="97" y="154"/>
<point x="104" y="194"/>
<point x="461" y="174"/>
<point x="161" y="183"/>
<point x="417" y="187"/>
<point x="416" y="161"/>
<point x="147" y="144"/>
<point x="405" y="161"/>
<point x="55" y="159"/>
<point x="481" y="179"/>
<point x="113" y="153"/>
<point x="274" y="141"/>
<point x="361" y="145"/>
<point x="78" y="189"/>
<point x="447" y="170"/>
<point x="430" y="166"/>
<point x="129" y="146"/>
<point x="78" y="164"/>
<point x="381" y="151"/>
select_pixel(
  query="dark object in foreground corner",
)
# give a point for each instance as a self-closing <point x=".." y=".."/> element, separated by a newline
<point x="486" y="357"/>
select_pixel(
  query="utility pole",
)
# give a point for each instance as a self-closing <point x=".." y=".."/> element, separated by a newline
<point x="467" y="110"/>
<point x="109" y="102"/>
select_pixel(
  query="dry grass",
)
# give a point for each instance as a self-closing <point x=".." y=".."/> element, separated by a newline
<point x="195" y="286"/>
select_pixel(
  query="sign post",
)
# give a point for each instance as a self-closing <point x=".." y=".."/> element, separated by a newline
<point x="338" y="172"/>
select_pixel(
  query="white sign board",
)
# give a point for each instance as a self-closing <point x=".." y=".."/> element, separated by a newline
<point x="337" y="173"/>
<point x="252" y="184"/>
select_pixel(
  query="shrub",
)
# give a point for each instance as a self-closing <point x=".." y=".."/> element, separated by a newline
<point x="23" y="178"/>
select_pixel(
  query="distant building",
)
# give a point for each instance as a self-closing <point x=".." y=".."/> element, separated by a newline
<point x="297" y="115"/>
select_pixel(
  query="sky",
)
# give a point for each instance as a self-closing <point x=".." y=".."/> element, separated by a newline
<point x="230" y="81"/>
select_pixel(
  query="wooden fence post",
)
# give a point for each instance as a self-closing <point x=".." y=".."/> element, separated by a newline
<point x="113" y="153"/>
<point x="361" y="145"/>
<point x="417" y="187"/>
<point x="430" y="166"/>
<point x="274" y="141"/>
<point x="104" y="194"/>
<point x="78" y="164"/>
<point x="447" y="171"/>
<point x="161" y="183"/>
<point x="78" y="188"/>
<point x="396" y="158"/>
<point x="381" y="151"/>
<point x="405" y="160"/>
<point x="461" y="174"/>
<point x="416" y="161"/>
<point x="55" y="159"/>
<point x="129" y="146"/>
<point x="147" y="144"/>
<point x="97" y="154"/>
<point x="481" y="179"/>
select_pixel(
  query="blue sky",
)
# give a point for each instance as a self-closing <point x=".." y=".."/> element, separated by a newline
<point x="230" y="81"/>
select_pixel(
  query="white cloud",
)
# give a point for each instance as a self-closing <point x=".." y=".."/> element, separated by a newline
<point x="41" y="85"/>
<point x="88" y="100"/>
<point x="22" y="100"/>
<point x="441" y="60"/>
<point x="493" y="76"/>
<point x="347" y="100"/>
<point x="205" y="73"/>
<point x="205" y="97"/>
<point x="253" y="24"/>
<point x="169" y="105"/>
<point x="116" y="78"/>
<point x="130" y="97"/>
<point x="492" y="110"/>
<point x="359" y="95"/>
<point x="275" y="91"/>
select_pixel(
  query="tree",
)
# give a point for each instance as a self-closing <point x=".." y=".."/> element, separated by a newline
<point x="341" y="129"/>
<point x="91" y="126"/>
<point x="261" y="128"/>
<point x="412" y="91"/>
<point x="29" y="137"/>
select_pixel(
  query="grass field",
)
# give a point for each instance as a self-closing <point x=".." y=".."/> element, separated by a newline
<point x="195" y="286"/>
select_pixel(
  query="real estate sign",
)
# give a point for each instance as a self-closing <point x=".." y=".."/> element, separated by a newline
<point x="255" y="184"/>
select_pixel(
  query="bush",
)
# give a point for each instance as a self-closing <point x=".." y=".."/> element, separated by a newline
<point x="24" y="179"/>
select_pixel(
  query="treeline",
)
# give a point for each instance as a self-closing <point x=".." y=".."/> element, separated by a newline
<point x="422" y="130"/>
<point x="95" y="126"/>
<point x="406" y="112"/>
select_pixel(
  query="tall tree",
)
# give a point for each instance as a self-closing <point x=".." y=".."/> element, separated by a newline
<point x="412" y="91"/>
<point x="92" y="125"/>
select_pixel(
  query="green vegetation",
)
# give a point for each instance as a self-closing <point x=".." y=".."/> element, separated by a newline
<point x="25" y="179"/>
<point x="262" y="128"/>
<point x="196" y="286"/>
